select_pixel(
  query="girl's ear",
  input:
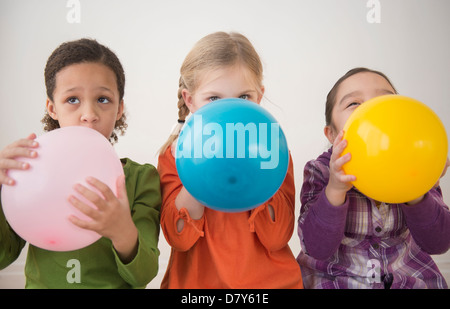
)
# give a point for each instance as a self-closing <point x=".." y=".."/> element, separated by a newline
<point x="330" y="133"/>
<point x="120" y="110"/>
<point x="187" y="97"/>
<point x="261" y="94"/>
<point x="51" y="109"/>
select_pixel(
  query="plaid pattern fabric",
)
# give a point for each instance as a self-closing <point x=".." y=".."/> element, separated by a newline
<point x="377" y="248"/>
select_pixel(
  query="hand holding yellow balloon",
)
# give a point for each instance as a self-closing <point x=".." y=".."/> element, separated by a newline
<point x="399" y="148"/>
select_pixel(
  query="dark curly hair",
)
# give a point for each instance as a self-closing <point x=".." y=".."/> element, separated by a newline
<point x="79" y="51"/>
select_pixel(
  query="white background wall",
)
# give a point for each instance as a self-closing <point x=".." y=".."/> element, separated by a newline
<point x="305" y="46"/>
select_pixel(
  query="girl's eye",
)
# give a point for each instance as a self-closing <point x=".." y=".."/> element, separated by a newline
<point x="213" y="98"/>
<point x="103" y="100"/>
<point x="244" y="97"/>
<point x="73" y="100"/>
<point x="353" y="104"/>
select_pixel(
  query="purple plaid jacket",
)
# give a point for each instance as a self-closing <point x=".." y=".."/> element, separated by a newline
<point x="360" y="245"/>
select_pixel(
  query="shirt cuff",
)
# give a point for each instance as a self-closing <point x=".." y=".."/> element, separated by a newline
<point x="423" y="213"/>
<point x="328" y="214"/>
<point x="197" y="225"/>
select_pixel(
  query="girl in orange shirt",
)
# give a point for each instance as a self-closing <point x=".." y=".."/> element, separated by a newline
<point x="214" y="249"/>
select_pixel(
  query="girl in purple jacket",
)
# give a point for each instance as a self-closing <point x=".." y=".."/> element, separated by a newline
<point x="350" y="240"/>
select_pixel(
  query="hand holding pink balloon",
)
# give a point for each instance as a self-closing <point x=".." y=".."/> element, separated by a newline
<point x="111" y="216"/>
<point x="37" y="207"/>
<point x="21" y="148"/>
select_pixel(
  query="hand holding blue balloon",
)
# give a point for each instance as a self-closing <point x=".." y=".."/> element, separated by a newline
<point x="232" y="155"/>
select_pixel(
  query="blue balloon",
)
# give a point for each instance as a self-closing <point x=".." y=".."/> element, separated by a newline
<point x="232" y="155"/>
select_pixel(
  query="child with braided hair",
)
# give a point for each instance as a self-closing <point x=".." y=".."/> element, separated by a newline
<point x="214" y="249"/>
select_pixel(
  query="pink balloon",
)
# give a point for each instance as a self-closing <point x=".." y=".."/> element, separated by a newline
<point x="37" y="206"/>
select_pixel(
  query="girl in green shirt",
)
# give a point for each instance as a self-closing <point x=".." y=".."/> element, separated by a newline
<point x="85" y="87"/>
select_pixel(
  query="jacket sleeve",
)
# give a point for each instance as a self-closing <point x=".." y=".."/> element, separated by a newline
<point x="275" y="234"/>
<point x="170" y="188"/>
<point x="321" y="225"/>
<point x="429" y="222"/>
<point x="143" y="189"/>
<point x="10" y="243"/>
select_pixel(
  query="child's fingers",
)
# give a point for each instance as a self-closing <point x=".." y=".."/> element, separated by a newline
<point x="81" y="223"/>
<point x="32" y="136"/>
<point x="341" y="147"/>
<point x="5" y="180"/>
<point x="83" y="207"/>
<point x="339" y="163"/>
<point x="28" y="142"/>
<point x="10" y="150"/>
<point x="102" y="187"/>
<point x="339" y="144"/>
<point x="8" y="164"/>
<point x="338" y="160"/>
<point x="121" y="188"/>
<point x="18" y="152"/>
<point x="91" y="196"/>
<point x="338" y="138"/>
<point x="347" y="178"/>
<point x="18" y="149"/>
<point x="337" y="150"/>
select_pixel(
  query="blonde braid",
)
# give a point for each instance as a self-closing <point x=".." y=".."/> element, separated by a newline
<point x="183" y="112"/>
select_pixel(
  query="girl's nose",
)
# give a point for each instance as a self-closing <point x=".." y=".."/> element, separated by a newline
<point x="89" y="115"/>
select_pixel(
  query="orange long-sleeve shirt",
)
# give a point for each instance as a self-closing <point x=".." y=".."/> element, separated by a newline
<point x="229" y="250"/>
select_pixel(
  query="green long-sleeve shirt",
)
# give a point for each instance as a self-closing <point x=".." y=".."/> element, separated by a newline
<point x="97" y="265"/>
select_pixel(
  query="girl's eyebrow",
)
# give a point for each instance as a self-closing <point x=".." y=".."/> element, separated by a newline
<point x="219" y="94"/>
<point x="384" y="91"/>
<point x="106" y="89"/>
<point x="349" y="95"/>
<point x="79" y="88"/>
<point x="71" y="89"/>
<point x="357" y="92"/>
<point x="249" y="91"/>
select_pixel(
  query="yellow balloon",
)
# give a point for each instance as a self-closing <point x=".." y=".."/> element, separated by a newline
<point x="398" y="148"/>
